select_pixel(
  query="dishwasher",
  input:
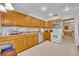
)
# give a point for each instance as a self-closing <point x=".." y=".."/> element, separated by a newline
<point x="40" y="37"/>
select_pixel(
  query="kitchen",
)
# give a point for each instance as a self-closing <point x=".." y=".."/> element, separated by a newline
<point x="24" y="31"/>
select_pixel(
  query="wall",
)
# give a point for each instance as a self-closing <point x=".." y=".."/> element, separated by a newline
<point x="77" y="31"/>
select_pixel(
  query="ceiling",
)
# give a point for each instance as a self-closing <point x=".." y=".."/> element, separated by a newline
<point x="48" y="11"/>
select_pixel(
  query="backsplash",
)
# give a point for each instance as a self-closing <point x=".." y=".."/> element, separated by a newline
<point x="7" y="30"/>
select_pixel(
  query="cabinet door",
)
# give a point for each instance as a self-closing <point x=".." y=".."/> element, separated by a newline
<point x="8" y="18"/>
<point x="36" y="22"/>
<point x="50" y="24"/>
<point x="28" y="42"/>
<point x="25" y="43"/>
<point x="35" y="40"/>
<point x="46" y="36"/>
<point x="33" y="23"/>
<point x="18" y="44"/>
<point x="19" y="19"/>
<point x="46" y="24"/>
<point x="22" y="47"/>
<point x="31" y="41"/>
<point x="43" y="24"/>
<point x="15" y="45"/>
<point x="27" y="21"/>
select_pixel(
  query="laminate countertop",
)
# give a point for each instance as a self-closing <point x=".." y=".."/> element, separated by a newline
<point x="10" y="37"/>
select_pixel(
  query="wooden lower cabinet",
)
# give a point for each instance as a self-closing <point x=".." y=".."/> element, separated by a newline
<point x="29" y="42"/>
<point x="14" y="43"/>
<point x="46" y="36"/>
<point x="34" y="40"/>
<point x="22" y="42"/>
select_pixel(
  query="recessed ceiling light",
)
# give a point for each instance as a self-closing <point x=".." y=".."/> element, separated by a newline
<point x="66" y="8"/>
<point x="50" y="14"/>
<point x="43" y="8"/>
<point x="9" y="6"/>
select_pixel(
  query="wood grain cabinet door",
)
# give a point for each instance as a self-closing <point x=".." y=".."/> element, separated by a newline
<point x="35" y="40"/>
<point x="33" y="24"/>
<point x="46" y="36"/>
<point x="18" y="18"/>
<point x="8" y="18"/>
<point x="28" y="42"/>
<point x="27" y="21"/>
<point x="15" y="45"/>
<point x="43" y="24"/>
<point x="25" y="42"/>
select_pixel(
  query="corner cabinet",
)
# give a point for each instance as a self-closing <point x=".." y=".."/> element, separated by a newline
<point x="49" y="24"/>
<point x="46" y="36"/>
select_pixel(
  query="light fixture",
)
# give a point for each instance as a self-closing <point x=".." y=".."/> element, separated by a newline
<point x="50" y="14"/>
<point x="66" y="8"/>
<point x="2" y="8"/>
<point x="9" y="6"/>
<point x="43" y="8"/>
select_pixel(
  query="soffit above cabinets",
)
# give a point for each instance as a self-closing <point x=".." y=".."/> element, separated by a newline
<point x="47" y="11"/>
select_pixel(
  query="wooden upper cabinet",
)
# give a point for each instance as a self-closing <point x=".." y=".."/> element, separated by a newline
<point x="42" y="23"/>
<point x="8" y="18"/>
<point x="35" y="22"/>
<point x="14" y="18"/>
<point x="49" y="24"/>
<point x="32" y="22"/>
<point x="46" y="24"/>
<point x="27" y="21"/>
<point x="19" y="19"/>
<point x="38" y="23"/>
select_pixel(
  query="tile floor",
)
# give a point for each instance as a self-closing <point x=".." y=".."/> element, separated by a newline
<point x="48" y="48"/>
